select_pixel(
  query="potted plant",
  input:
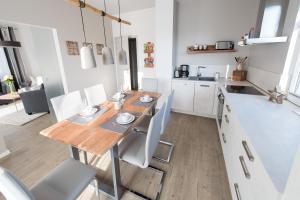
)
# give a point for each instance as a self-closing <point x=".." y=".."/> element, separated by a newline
<point x="9" y="81"/>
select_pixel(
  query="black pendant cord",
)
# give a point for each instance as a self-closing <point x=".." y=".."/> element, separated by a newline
<point x="82" y="5"/>
<point x="120" y="24"/>
<point x="103" y="23"/>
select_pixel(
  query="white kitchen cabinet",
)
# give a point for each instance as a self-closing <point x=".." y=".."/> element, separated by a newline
<point x="194" y="97"/>
<point x="183" y="96"/>
<point x="204" y="98"/>
<point x="256" y="184"/>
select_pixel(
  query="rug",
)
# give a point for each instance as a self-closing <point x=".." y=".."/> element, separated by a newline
<point x="19" y="118"/>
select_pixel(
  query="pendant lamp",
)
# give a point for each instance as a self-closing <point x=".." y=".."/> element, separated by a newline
<point x="107" y="55"/>
<point x="122" y="57"/>
<point x="86" y="52"/>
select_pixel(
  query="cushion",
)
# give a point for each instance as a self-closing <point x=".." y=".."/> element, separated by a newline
<point x="66" y="182"/>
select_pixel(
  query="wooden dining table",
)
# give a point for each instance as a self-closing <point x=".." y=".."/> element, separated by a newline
<point x="93" y="138"/>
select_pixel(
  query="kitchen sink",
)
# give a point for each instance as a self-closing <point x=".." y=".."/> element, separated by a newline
<point x="202" y="78"/>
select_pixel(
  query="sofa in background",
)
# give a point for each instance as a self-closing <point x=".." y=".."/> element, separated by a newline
<point x="34" y="99"/>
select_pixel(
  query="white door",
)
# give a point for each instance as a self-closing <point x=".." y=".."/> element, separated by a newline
<point x="183" y="96"/>
<point x="204" y="97"/>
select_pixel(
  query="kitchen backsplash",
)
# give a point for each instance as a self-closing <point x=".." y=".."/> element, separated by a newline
<point x="210" y="70"/>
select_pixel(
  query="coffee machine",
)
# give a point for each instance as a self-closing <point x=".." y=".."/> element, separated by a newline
<point x="184" y="71"/>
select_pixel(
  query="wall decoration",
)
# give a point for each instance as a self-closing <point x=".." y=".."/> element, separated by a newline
<point x="72" y="47"/>
<point x="99" y="48"/>
<point x="149" y="50"/>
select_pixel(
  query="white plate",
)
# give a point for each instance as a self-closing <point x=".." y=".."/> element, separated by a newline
<point x="88" y="111"/>
<point x="121" y="120"/>
<point x="146" y="100"/>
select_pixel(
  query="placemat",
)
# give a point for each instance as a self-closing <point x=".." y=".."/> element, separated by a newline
<point x="112" y="125"/>
<point x="139" y="103"/>
<point x="78" y="119"/>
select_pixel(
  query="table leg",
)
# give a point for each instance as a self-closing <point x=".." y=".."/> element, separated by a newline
<point x="116" y="172"/>
<point x="74" y="152"/>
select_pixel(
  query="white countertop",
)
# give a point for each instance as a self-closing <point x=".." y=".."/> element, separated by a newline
<point x="273" y="129"/>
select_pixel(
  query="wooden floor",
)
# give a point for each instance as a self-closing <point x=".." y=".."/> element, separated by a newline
<point x="196" y="172"/>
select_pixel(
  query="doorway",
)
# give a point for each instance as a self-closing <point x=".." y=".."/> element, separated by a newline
<point x="133" y="63"/>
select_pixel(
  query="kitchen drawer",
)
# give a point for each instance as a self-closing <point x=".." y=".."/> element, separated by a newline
<point x="259" y="185"/>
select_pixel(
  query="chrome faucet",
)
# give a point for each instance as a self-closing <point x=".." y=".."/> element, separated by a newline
<point x="199" y="70"/>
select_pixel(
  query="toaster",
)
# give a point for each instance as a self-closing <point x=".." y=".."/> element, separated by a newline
<point x="224" y="45"/>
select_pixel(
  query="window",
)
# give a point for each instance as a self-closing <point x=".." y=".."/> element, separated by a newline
<point x="290" y="79"/>
<point x="4" y="68"/>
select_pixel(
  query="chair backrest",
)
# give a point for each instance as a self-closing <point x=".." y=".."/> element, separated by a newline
<point x="67" y="105"/>
<point x="95" y="95"/>
<point x="12" y="188"/>
<point x="153" y="135"/>
<point x="167" y="112"/>
<point x="149" y="84"/>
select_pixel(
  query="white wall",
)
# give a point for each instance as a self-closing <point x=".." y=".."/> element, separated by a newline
<point x="268" y="60"/>
<point x="164" y="37"/>
<point x="143" y="29"/>
<point x="59" y="15"/>
<point x="208" y="21"/>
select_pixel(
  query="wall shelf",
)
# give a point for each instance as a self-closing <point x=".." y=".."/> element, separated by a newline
<point x="210" y="49"/>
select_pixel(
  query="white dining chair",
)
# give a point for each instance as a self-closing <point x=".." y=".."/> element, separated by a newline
<point x="65" y="182"/>
<point x="138" y="148"/>
<point x="95" y="95"/>
<point x="149" y="84"/>
<point x="144" y="125"/>
<point x="67" y="105"/>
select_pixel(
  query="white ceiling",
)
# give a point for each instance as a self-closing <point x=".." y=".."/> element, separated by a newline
<point x="126" y="5"/>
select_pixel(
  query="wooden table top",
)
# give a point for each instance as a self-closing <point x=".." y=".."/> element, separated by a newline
<point x="91" y="137"/>
<point x="10" y="96"/>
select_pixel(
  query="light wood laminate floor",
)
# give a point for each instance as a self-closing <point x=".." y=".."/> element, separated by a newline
<point x="196" y="171"/>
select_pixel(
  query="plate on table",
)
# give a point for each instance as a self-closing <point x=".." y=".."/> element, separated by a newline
<point x="125" y="118"/>
<point x="88" y="111"/>
<point x="146" y="99"/>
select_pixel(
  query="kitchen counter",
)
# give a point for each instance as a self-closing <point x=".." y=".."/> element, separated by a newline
<point x="273" y="129"/>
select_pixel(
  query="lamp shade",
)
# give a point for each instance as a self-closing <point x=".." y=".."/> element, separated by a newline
<point x="107" y="56"/>
<point x="87" y="57"/>
<point x="122" y="57"/>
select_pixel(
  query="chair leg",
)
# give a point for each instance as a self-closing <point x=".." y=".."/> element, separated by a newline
<point x="170" y="152"/>
<point x="97" y="188"/>
<point x="161" y="185"/>
<point x="85" y="158"/>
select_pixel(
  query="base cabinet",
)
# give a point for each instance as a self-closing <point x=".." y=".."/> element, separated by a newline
<point x="204" y="98"/>
<point x="247" y="176"/>
<point x="183" y="95"/>
<point x="194" y="97"/>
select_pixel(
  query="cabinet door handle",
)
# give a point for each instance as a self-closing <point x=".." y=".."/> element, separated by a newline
<point x="204" y="85"/>
<point x="226" y="119"/>
<point x="228" y="108"/>
<point x="237" y="191"/>
<point x="224" y="138"/>
<point x="245" y="169"/>
<point x="248" y="152"/>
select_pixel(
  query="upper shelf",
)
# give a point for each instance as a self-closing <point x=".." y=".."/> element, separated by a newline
<point x="253" y="41"/>
<point x="210" y="49"/>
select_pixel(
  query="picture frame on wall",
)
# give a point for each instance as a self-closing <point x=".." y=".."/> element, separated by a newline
<point x="72" y="48"/>
<point x="99" y="48"/>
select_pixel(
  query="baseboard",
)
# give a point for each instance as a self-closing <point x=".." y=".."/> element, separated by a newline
<point x="4" y="154"/>
<point x="192" y="113"/>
